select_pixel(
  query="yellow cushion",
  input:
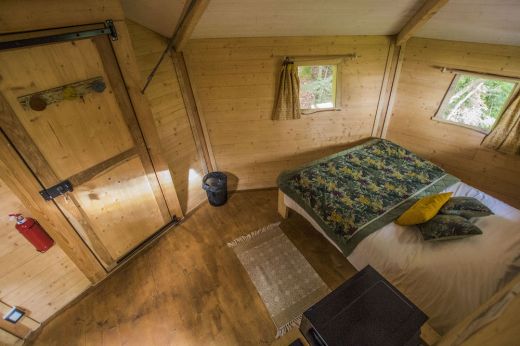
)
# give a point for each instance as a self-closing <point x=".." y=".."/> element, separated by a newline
<point x="423" y="210"/>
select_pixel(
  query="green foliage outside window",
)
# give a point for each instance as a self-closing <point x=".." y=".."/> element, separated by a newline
<point x="476" y="101"/>
<point x="317" y="86"/>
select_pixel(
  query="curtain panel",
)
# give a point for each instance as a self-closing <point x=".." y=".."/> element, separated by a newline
<point x="505" y="136"/>
<point x="287" y="101"/>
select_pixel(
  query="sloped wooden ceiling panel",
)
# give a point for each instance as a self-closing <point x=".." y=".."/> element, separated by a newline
<point x="485" y="21"/>
<point x="160" y="16"/>
<point x="254" y="18"/>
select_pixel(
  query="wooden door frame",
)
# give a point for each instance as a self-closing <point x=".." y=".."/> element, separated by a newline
<point x="17" y="16"/>
<point x="31" y="15"/>
<point x="34" y="158"/>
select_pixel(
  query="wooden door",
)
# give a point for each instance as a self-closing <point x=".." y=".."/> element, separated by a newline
<point x="91" y="138"/>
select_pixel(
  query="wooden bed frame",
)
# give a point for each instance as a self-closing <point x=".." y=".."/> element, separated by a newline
<point x="282" y="208"/>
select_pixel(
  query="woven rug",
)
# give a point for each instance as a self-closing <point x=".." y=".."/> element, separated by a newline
<point x="286" y="282"/>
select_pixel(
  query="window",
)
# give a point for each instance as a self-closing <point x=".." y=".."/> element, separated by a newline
<point x="318" y="86"/>
<point x="475" y="101"/>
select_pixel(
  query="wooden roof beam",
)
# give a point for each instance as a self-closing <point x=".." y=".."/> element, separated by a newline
<point x="419" y="19"/>
<point x="189" y="19"/>
<point x="189" y="22"/>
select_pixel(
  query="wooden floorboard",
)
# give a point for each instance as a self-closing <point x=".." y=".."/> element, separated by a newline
<point x="189" y="288"/>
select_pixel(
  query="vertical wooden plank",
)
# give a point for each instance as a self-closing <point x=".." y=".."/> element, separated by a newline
<point x="212" y="163"/>
<point x="393" y="91"/>
<point x="20" y="180"/>
<point x="131" y="76"/>
<point x="191" y="110"/>
<point x="385" y="89"/>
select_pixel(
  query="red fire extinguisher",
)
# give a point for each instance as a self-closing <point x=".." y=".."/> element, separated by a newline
<point x="33" y="232"/>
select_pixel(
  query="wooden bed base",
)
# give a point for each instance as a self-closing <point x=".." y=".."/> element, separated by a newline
<point x="282" y="208"/>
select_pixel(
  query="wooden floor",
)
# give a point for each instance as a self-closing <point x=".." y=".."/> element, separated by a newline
<point x="189" y="288"/>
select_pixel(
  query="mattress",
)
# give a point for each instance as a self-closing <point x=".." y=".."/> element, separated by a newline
<point x="447" y="279"/>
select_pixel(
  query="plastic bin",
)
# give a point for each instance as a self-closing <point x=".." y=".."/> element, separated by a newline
<point x="215" y="185"/>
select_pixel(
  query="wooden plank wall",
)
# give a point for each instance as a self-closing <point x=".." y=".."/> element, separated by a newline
<point x="170" y="116"/>
<point x="39" y="283"/>
<point x="234" y="84"/>
<point x="457" y="149"/>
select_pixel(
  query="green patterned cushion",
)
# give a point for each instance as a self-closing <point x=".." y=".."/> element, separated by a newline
<point x="467" y="207"/>
<point x="445" y="227"/>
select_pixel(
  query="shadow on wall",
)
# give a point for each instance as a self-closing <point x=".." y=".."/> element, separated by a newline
<point x="232" y="182"/>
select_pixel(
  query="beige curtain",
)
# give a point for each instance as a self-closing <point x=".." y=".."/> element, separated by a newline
<point x="505" y="136"/>
<point x="287" y="102"/>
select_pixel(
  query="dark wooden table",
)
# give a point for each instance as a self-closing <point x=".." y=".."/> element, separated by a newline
<point x="364" y="310"/>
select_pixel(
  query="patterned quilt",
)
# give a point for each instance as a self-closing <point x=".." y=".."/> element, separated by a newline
<point x="357" y="191"/>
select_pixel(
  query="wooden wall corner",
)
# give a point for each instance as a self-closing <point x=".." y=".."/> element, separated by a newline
<point x="392" y="87"/>
<point x="386" y="86"/>
<point x="125" y="56"/>
<point x="199" y="134"/>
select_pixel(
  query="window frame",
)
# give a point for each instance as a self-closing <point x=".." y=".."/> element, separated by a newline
<point x="336" y="82"/>
<point x="443" y="105"/>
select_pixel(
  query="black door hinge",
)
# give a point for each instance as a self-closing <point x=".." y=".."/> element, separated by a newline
<point x="112" y="28"/>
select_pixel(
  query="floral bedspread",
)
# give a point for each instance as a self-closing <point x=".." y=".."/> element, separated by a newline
<point x="357" y="191"/>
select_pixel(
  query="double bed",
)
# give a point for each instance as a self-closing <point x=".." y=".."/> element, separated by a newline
<point x="354" y="196"/>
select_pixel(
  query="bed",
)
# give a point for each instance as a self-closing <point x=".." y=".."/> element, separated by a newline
<point x="338" y="195"/>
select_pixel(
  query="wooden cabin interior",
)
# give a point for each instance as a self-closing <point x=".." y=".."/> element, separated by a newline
<point x="221" y="172"/>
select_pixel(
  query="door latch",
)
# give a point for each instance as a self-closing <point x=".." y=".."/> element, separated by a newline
<point x="56" y="190"/>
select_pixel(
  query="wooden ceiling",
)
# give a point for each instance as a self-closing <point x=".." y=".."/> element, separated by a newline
<point x="160" y="16"/>
<point x="254" y="18"/>
<point x="486" y="21"/>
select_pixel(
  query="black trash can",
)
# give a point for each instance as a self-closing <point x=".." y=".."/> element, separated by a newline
<point x="215" y="184"/>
